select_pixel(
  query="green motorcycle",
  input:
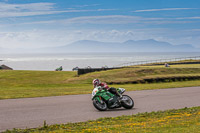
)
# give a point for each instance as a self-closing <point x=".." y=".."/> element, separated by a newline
<point x="103" y="99"/>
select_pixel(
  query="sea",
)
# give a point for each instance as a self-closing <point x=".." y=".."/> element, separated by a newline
<point x="49" y="62"/>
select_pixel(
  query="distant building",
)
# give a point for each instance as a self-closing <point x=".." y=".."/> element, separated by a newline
<point x="4" y="67"/>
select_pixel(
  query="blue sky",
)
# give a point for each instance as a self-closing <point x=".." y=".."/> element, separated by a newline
<point x="49" y="23"/>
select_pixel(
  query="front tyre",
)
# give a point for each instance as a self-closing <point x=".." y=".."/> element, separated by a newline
<point x="127" y="102"/>
<point x="101" y="106"/>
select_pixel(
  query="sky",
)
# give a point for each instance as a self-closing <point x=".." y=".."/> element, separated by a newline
<point x="51" y="23"/>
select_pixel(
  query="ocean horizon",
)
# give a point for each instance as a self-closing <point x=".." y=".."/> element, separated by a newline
<point x="49" y="62"/>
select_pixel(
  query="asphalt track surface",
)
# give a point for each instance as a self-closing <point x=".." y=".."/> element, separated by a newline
<point x="32" y="112"/>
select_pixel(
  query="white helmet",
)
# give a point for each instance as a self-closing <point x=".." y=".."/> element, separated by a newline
<point x="96" y="82"/>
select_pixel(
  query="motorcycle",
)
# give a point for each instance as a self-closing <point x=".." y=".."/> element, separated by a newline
<point x="103" y="99"/>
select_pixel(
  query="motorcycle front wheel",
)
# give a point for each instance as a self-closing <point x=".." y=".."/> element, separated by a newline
<point x="127" y="102"/>
<point x="101" y="106"/>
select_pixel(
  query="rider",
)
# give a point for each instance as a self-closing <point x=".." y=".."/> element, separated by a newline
<point x="97" y="82"/>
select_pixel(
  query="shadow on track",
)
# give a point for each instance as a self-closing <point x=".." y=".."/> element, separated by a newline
<point x="117" y="109"/>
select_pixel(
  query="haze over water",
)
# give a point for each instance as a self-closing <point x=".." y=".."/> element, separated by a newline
<point x="50" y="62"/>
<point x="36" y="24"/>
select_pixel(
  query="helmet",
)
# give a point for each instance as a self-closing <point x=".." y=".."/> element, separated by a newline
<point x="96" y="82"/>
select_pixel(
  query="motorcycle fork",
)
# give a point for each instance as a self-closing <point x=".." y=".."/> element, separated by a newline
<point x="101" y="100"/>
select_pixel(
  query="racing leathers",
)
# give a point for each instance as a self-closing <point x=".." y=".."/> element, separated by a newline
<point x="111" y="90"/>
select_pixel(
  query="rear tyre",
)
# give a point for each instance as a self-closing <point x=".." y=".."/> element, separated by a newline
<point x="100" y="106"/>
<point x="127" y="102"/>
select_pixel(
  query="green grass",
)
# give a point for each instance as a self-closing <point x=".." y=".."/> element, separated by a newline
<point x="175" y="62"/>
<point x="24" y="84"/>
<point x="33" y="78"/>
<point x="174" y="121"/>
<point x="175" y="66"/>
<point x="134" y="87"/>
<point x="71" y="89"/>
<point x="138" y="73"/>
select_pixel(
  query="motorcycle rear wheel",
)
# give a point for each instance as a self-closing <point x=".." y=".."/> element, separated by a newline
<point x="100" y="106"/>
<point x="127" y="102"/>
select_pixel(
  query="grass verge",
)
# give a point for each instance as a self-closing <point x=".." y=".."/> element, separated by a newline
<point x="73" y="89"/>
<point x="24" y="84"/>
<point x="179" y="121"/>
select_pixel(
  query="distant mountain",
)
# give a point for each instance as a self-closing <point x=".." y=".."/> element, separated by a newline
<point x="91" y="46"/>
<point x="96" y="46"/>
<point x="128" y="46"/>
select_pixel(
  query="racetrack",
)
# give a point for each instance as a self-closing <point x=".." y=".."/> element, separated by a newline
<point x="32" y="112"/>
